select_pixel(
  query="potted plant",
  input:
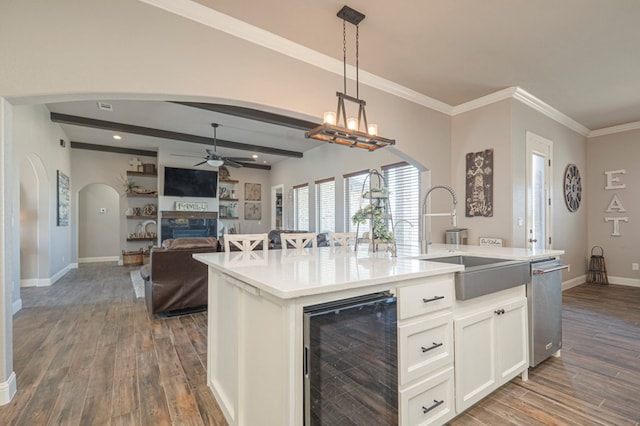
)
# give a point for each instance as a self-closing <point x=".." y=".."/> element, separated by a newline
<point x="128" y="185"/>
<point x="380" y="229"/>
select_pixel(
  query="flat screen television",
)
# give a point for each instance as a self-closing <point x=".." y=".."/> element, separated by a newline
<point x="190" y="182"/>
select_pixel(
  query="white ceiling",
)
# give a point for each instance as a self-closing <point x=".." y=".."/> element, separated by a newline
<point x="578" y="56"/>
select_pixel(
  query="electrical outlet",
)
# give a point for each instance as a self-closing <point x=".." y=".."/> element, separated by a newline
<point x="635" y="266"/>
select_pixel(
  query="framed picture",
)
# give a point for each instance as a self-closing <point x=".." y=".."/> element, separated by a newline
<point x="252" y="191"/>
<point x="63" y="199"/>
<point x="252" y="211"/>
<point x="479" y="184"/>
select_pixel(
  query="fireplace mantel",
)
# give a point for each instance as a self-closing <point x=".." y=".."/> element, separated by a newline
<point x="178" y="214"/>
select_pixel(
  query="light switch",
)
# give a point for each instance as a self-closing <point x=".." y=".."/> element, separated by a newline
<point x="520" y="221"/>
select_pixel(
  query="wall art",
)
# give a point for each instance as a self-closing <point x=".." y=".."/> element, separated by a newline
<point x="252" y="211"/>
<point x="63" y="199"/>
<point x="252" y="191"/>
<point x="479" y="184"/>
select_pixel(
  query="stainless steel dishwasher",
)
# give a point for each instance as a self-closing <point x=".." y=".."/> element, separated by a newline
<point x="544" y="299"/>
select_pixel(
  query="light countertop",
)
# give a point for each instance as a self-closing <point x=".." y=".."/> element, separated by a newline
<point x="292" y="273"/>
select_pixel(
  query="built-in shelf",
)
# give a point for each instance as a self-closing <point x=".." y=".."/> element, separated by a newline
<point x="228" y="181"/>
<point x="229" y="217"/>
<point x="142" y="239"/>
<point x="141" y="174"/>
<point x="142" y="217"/>
<point x="229" y="199"/>
<point x="134" y="195"/>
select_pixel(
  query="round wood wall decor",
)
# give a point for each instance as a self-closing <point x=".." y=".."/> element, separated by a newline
<point x="572" y="187"/>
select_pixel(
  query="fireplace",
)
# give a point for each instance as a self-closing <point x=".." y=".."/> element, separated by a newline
<point x="180" y="224"/>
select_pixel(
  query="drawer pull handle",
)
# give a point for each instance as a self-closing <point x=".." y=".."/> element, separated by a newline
<point x="499" y="311"/>
<point x="436" y="404"/>
<point x="430" y="348"/>
<point x="433" y="299"/>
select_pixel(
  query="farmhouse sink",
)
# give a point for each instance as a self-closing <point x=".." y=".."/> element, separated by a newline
<point x="484" y="275"/>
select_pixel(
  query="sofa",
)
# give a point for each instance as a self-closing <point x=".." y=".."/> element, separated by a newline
<point x="174" y="281"/>
<point x="275" y="241"/>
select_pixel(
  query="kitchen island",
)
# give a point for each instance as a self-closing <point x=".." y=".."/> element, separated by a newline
<point x="255" y="330"/>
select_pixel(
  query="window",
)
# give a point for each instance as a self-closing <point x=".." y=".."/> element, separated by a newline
<point x="403" y="182"/>
<point x="352" y="200"/>
<point x="326" y="205"/>
<point x="301" y="207"/>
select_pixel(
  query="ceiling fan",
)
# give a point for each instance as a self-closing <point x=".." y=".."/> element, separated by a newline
<point x="216" y="160"/>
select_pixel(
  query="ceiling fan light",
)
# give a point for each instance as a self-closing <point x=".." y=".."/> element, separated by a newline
<point x="215" y="163"/>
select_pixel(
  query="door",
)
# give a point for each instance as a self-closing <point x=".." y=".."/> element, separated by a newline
<point x="512" y="354"/>
<point x="538" y="169"/>
<point x="475" y="355"/>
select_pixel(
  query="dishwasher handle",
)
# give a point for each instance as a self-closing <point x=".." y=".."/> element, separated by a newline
<point x="546" y="271"/>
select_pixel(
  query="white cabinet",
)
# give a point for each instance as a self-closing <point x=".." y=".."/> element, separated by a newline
<point x="491" y="349"/>
<point x="425" y="351"/>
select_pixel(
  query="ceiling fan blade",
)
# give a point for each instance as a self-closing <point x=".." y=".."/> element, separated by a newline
<point x="200" y="163"/>
<point x="231" y="163"/>
<point x="245" y="159"/>
<point x="184" y="155"/>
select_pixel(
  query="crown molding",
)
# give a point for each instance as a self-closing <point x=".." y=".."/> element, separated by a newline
<point x="489" y="99"/>
<point x="526" y="98"/>
<point x="212" y="18"/>
<point x="614" y="129"/>
<point x="546" y="109"/>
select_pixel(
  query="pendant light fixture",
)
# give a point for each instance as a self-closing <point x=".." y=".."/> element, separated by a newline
<point x="336" y="127"/>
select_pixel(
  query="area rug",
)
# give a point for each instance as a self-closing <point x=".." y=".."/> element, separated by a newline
<point x="138" y="284"/>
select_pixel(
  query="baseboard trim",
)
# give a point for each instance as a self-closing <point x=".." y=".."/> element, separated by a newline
<point x="46" y="282"/>
<point x="17" y="306"/>
<point x="574" y="282"/>
<point x="8" y="389"/>
<point x="630" y="282"/>
<point x="98" y="259"/>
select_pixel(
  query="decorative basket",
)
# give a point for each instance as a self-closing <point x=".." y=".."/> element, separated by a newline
<point x="597" y="269"/>
<point x="130" y="258"/>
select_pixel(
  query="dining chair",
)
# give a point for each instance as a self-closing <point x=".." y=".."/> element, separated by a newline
<point x="341" y="239"/>
<point x="245" y="242"/>
<point x="299" y="240"/>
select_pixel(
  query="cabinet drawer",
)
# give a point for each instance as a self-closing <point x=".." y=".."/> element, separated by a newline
<point x="425" y="346"/>
<point x="428" y="402"/>
<point x="432" y="295"/>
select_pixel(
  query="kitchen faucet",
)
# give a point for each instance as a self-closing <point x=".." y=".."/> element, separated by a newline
<point x="425" y="240"/>
<point x="394" y="247"/>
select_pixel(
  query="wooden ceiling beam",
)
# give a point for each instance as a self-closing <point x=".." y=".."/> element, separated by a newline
<point x="254" y="114"/>
<point x="166" y="134"/>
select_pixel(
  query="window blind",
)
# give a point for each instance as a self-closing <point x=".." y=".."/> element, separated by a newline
<point x="301" y="208"/>
<point x="403" y="183"/>
<point x="353" y="201"/>
<point x="326" y="205"/>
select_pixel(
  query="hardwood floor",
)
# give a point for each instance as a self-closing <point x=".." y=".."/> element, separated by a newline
<point x="86" y="352"/>
<point x="597" y="379"/>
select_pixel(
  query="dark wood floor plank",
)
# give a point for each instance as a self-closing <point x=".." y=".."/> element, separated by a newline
<point x="87" y="352"/>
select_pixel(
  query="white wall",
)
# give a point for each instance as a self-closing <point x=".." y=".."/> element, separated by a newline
<point x="474" y="131"/>
<point x="98" y="222"/>
<point x="37" y="139"/>
<point x="618" y="151"/>
<point x="569" y="229"/>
